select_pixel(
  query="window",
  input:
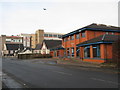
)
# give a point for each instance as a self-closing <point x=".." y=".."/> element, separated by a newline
<point x="77" y="36"/>
<point x="83" y="34"/>
<point x="65" y="52"/>
<point x="55" y="35"/>
<point x="19" y="40"/>
<point x="87" y="51"/>
<point x="68" y="52"/>
<point x="55" y="54"/>
<point x="96" y="50"/>
<point x="50" y="35"/>
<point x="45" y="35"/>
<point x="107" y="32"/>
<point x="59" y="36"/>
<point x="67" y="39"/>
<point x="72" y="49"/>
<point x="72" y="38"/>
<point x="64" y="39"/>
<point x="77" y="51"/>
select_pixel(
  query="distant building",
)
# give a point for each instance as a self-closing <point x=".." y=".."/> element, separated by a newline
<point x="52" y="36"/>
<point x="26" y="39"/>
<point x="46" y="45"/>
<point x="40" y="35"/>
<point x="11" y="44"/>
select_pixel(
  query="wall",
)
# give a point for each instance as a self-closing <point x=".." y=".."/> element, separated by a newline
<point x="39" y="35"/>
<point x="33" y="41"/>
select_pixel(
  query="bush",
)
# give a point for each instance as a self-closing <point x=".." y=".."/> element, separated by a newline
<point x="30" y="56"/>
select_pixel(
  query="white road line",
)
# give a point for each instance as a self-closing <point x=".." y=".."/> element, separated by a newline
<point x="105" y="81"/>
<point x="62" y="73"/>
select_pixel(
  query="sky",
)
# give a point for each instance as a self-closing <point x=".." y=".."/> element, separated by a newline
<point x="60" y="16"/>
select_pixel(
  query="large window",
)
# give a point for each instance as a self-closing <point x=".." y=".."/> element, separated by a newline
<point x="72" y="49"/>
<point x="96" y="50"/>
<point x="77" y="36"/>
<point x="77" y="51"/>
<point x="87" y="51"/>
<point x="68" y="52"/>
<point x="50" y="35"/>
<point x="72" y="38"/>
<point x="55" y="35"/>
<point x="83" y="34"/>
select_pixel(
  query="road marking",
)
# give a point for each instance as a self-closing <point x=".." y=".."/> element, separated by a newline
<point x="62" y="73"/>
<point x="105" y="81"/>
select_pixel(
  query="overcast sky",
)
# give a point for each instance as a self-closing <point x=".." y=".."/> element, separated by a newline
<point x="62" y="16"/>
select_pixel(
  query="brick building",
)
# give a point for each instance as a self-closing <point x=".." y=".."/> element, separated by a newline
<point x="79" y="43"/>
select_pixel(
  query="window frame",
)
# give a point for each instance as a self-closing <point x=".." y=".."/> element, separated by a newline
<point x="77" y="36"/>
<point x="83" y="34"/>
<point x="72" y="37"/>
<point x="86" y="52"/>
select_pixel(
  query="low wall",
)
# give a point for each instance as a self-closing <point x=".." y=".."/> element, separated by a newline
<point x="31" y="56"/>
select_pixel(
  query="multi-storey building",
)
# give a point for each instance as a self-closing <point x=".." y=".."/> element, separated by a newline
<point x="40" y="35"/>
<point x="26" y="39"/>
<point x="52" y="36"/>
<point x="87" y="43"/>
<point x="11" y="44"/>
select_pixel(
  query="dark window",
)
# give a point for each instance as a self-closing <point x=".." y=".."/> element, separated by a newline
<point x="45" y="35"/>
<point x="68" y="52"/>
<point x="55" y="35"/>
<point x="72" y="49"/>
<point x="78" y="51"/>
<point x="50" y="35"/>
<point x="83" y="34"/>
<point x="77" y="36"/>
<point x="72" y="38"/>
<point x="96" y="50"/>
<point x="87" y="51"/>
<point x="59" y="36"/>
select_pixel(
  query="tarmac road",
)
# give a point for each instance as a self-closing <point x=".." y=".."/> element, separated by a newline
<point x="41" y="75"/>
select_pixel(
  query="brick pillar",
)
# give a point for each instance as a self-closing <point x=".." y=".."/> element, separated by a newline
<point x="75" y="52"/>
<point x="91" y="51"/>
<point x="102" y="51"/>
<point x="81" y="53"/>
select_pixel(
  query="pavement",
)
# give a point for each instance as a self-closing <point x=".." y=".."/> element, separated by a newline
<point x="78" y="64"/>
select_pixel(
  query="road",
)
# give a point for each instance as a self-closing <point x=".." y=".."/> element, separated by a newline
<point x="40" y="75"/>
